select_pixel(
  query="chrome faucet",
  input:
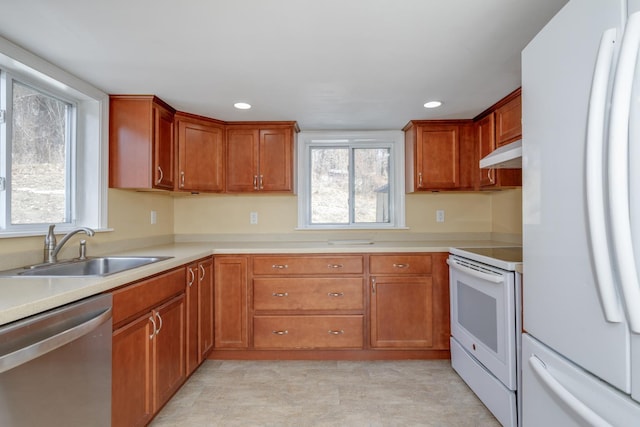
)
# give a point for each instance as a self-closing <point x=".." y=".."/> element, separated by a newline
<point x="51" y="247"/>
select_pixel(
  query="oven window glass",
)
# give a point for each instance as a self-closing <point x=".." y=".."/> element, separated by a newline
<point x="477" y="313"/>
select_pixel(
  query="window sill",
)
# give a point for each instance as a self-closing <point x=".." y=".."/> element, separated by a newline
<point x="34" y="233"/>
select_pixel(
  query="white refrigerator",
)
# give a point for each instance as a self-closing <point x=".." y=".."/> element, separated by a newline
<point x="581" y="217"/>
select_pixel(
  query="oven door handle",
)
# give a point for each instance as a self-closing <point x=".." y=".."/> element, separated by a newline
<point x="477" y="274"/>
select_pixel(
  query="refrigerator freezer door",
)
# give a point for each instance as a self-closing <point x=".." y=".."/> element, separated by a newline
<point x="562" y="307"/>
<point x="558" y="393"/>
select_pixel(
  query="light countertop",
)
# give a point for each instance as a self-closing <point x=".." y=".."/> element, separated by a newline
<point x="25" y="296"/>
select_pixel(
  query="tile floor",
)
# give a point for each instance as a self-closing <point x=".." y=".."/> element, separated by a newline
<point x="325" y="393"/>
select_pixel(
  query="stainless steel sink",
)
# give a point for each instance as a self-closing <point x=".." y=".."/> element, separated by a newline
<point x="99" y="266"/>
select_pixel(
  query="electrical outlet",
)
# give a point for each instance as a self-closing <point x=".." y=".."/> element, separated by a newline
<point x="440" y="215"/>
<point x="253" y="217"/>
<point x="154" y="217"/>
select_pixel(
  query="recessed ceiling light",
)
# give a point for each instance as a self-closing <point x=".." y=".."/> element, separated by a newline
<point x="242" y="105"/>
<point x="432" y="104"/>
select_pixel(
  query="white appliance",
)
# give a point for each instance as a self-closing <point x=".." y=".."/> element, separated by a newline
<point x="581" y="217"/>
<point x="485" y="325"/>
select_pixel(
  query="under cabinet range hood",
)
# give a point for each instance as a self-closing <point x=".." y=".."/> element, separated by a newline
<point x="506" y="157"/>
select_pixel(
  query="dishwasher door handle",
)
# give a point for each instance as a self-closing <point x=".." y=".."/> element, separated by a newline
<point x="42" y="347"/>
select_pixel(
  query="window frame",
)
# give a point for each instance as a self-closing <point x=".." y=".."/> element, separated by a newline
<point x="394" y="140"/>
<point x="90" y="127"/>
<point x="7" y="80"/>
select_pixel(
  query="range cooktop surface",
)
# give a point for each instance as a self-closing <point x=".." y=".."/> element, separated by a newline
<point x="506" y="258"/>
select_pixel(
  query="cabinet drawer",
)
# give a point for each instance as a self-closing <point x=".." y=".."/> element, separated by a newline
<point x="400" y="264"/>
<point x="308" y="293"/>
<point x="142" y="296"/>
<point x="308" y="332"/>
<point x="318" y="264"/>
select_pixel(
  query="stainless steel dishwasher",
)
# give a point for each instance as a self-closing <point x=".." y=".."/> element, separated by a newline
<point x="55" y="367"/>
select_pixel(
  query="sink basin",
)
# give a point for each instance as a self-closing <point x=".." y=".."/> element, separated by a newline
<point x="100" y="266"/>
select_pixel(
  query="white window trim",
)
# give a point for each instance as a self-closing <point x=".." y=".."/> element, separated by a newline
<point x="397" y="201"/>
<point x="92" y="135"/>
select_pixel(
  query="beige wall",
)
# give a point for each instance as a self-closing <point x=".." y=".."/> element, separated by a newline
<point x="214" y="214"/>
<point x="506" y="211"/>
<point x="129" y="217"/>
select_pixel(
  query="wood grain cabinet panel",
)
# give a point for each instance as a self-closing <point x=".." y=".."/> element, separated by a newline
<point x="305" y="293"/>
<point x="148" y="353"/>
<point x="437" y="155"/>
<point x="231" y="302"/>
<point x="400" y="264"/>
<point x="308" y="332"/>
<point x="201" y="156"/>
<point x="497" y="126"/>
<point x="260" y="156"/>
<point x="305" y="265"/>
<point x="199" y="312"/>
<point x="141" y="143"/>
<point x="509" y="120"/>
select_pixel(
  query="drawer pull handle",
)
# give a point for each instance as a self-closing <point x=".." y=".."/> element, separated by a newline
<point x="285" y="332"/>
<point x="280" y="294"/>
<point x="280" y="266"/>
<point x="340" y="332"/>
<point x="335" y="266"/>
<point x="336" y="294"/>
<point x="401" y="265"/>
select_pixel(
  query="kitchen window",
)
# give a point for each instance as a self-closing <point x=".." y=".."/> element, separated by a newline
<point x="350" y="180"/>
<point x="52" y="158"/>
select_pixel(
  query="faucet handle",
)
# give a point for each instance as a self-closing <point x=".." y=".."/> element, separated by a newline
<point x="83" y="250"/>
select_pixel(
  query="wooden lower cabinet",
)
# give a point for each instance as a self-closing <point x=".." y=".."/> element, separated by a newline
<point x="199" y="296"/>
<point x="308" y="332"/>
<point x="148" y="354"/>
<point x="401" y="311"/>
<point x="231" y="302"/>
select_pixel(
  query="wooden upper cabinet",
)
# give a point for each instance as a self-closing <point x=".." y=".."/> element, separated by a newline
<point x="485" y="132"/>
<point x="201" y="165"/>
<point x="436" y="154"/>
<point x="141" y="142"/>
<point x="502" y="120"/>
<point x="509" y="119"/>
<point x="260" y="156"/>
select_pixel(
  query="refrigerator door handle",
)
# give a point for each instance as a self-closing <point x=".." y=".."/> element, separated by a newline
<point x="561" y="393"/>
<point x="618" y="170"/>
<point x="594" y="176"/>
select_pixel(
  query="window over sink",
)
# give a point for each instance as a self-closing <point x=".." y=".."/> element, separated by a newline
<point x="351" y="180"/>
<point x="53" y="147"/>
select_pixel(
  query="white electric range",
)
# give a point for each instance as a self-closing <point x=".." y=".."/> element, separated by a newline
<point x="485" y="295"/>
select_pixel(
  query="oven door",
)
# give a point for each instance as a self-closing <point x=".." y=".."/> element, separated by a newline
<point x="483" y="318"/>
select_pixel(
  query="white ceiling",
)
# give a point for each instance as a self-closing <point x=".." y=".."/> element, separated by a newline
<point x="329" y="64"/>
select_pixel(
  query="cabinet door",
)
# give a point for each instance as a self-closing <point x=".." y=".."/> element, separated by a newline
<point x="163" y="148"/>
<point x="230" y="302"/>
<point x="438" y="157"/>
<point x="192" y="358"/>
<point x="401" y="312"/>
<point x="132" y="373"/>
<point x="242" y="160"/>
<point x="509" y="121"/>
<point x="276" y="165"/>
<point x="485" y="133"/>
<point x="169" y="349"/>
<point x="205" y="312"/>
<point x="200" y="156"/>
